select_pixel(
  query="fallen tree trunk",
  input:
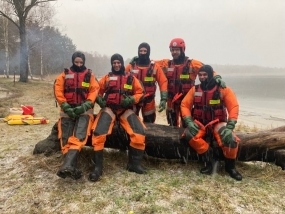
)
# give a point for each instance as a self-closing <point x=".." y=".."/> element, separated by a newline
<point x="165" y="142"/>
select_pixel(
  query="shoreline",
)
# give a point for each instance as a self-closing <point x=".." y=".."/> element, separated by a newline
<point x="261" y="123"/>
<point x="250" y="119"/>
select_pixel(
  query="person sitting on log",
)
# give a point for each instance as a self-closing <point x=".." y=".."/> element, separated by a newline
<point x="207" y="107"/>
<point x="75" y="91"/>
<point x="119" y="91"/>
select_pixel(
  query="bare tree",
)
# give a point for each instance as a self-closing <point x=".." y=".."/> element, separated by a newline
<point x="7" y="10"/>
<point x="21" y="9"/>
<point x="44" y="18"/>
<point x="40" y="17"/>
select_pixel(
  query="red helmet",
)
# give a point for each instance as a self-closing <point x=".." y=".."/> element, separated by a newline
<point x="177" y="43"/>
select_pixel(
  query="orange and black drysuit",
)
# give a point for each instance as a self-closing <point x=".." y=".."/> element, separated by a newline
<point x="75" y="87"/>
<point x="149" y="75"/>
<point x="211" y="109"/>
<point x="119" y="91"/>
<point x="181" y="77"/>
<point x="114" y="88"/>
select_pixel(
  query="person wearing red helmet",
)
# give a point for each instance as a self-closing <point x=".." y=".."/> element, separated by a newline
<point x="181" y="72"/>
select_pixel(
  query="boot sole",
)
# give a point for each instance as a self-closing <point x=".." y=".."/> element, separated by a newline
<point x="138" y="172"/>
<point x="94" y="180"/>
<point x="69" y="173"/>
<point x="230" y="174"/>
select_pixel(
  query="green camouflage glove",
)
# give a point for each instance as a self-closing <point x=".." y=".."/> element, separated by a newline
<point x="227" y="133"/>
<point x="219" y="81"/>
<point x="133" y="60"/>
<point x="163" y="99"/>
<point x="191" y="125"/>
<point x="83" y="108"/>
<point x="101" y="102"/>
<point x="127" y="101"/>
<point x="67" y="109"/>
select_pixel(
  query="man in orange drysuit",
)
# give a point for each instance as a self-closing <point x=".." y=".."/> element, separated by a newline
<point x="119" y="91"/>
<point x="75" y="90"/>
<point x="181" y="73"/>
<point x="209" y="109"/>
<point x="149" y="74"/>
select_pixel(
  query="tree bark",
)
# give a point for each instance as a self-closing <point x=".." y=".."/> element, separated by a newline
<point x="165" y="142"/>
<point x="24" y="69"/>
<point x="5" y="21"/>
<point x="21" y="10"/>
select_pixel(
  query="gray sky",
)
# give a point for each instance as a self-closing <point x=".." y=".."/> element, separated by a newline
<point x="235" y="32"/>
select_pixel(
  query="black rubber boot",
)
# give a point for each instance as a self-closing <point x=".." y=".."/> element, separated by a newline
<point x="135" y="158"/>
<point x="97" y="172"/>
<point x="68" y="168"/>
<point x="149" y="118"/>
<point x="230" y="168"/>
<point x="208" y="169"/>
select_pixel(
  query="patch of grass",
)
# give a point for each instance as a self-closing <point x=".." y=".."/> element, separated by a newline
<point x="241" y="127"/>
<point x="30" y="185"/>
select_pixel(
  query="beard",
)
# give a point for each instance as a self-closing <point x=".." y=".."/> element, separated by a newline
<point x="208" y="84"/>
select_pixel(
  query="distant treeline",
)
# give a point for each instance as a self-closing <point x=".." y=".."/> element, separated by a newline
<point x="220" y="69"/>
<point x="50" y="51"/>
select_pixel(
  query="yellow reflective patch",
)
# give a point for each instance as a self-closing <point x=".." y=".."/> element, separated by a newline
<point x="85" y="84"/>
<point x="148" y="79"/>
<point x="213" y="102"/>
<point x="184" y="76"/>
<point x="126" y="86"/>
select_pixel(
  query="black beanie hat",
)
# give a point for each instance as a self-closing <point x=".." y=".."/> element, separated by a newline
<point x="117" y="57"/>
<point x="209" y="70"/>
<point x="78" y="54"/>
<point x="144" y="45"/>
<point x="120" y="58"/>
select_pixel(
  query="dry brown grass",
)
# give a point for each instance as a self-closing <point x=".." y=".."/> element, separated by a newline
<point x="29" y="183"/>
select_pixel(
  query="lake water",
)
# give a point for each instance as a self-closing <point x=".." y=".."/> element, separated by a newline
<point x="261" y="99"/>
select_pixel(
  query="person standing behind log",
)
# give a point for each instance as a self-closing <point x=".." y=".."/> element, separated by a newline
<point x="208" y="107"/>
<point x="149" y="74"/>
<point x="119" y="91"/>
<point x="75" y="91"/>
<point x="181" y="73"/>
